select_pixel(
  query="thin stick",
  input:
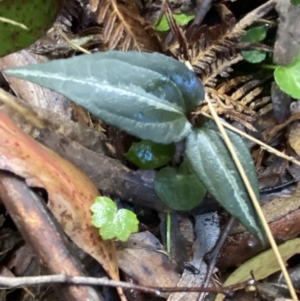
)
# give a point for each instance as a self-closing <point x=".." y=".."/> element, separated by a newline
<point x="263" y="145"/>
<point x="10" y="282"/>
<point x="74" y="45"/>
<point x="254" y="200"/>
<point x="168" y="232"/>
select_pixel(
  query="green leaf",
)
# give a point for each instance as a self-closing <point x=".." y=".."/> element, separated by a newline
<point x="295" y="2"/>
<point x="142" y="95"/>
<point x="152" y="73"/>
<point x="181" y="19"/>
<point x="262" y="265"/>
<point x="255" y="34"/>
<point x="253" y="56"/>
<point x="288" y="78"/>
<point x="113" y="223"/>
<point x="36" y="15"/>
<point x="180" y="190"/>
<point x="150" y="155"/>
<point x="213" y="164"/>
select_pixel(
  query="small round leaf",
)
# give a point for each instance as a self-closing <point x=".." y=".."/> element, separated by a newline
<point x="179" y="190"/>
<point x="288" y="78"/>
<point x="255" y="34"/>
<point x="150" y="155"/>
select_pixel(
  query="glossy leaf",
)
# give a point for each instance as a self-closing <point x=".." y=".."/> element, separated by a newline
<point x="150" y="155"/>
<point x="213" y="164"/>
<point x="185" y="80"/>
<point x="180" y="190"/>
<point x="113" y="223"/>
<point x="170" y="80"/>
<point x="36" y="15"/>
<point x="181" y="19"/>
<point x="288" y="78"/>
<point x="129" y="95"/>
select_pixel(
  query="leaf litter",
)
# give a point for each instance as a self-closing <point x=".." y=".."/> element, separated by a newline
<point x="208" y="71"/>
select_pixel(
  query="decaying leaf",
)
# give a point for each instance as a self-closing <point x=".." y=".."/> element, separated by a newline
<point x="33" y="119"/>
<point x="294" y="137"/>
<point x="262" y="265"/>
<point x="239" y="99"/>
<point x="142" y="258"/>
<point x="34" y="94"/>
<point x="70" y="191"/>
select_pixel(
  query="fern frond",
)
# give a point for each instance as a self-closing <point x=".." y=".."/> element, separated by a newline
<point x="214" y="43"/>
<point x="123" y="27"/>
<point x="219" y="67"/>
<point x="218" y="42"/>
<point x="240" y="99"/>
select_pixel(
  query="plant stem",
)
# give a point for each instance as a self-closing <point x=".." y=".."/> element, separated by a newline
<point x="168" y="234"/>
<point x="267" y="66"/>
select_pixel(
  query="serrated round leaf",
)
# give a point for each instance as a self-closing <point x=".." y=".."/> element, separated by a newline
<point x="125" y="223"/>
<point x="213" y="164"/>
<point x="150" y="155"/>
<point x="113" y="223"/>
<point x="36" y="15"/>
<point x="104" y="210"/>
<point x="255" y="34"/>
<point x="253" y="56"/>
<point x="130" y="97"/>
<point x="179" y="191"/>
<point x="288" y="78"/>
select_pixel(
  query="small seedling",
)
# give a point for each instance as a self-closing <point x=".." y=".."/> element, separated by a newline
<point x="181" y="19"/>
<point x="254" y="35"/>
<point x="113" y="223"/>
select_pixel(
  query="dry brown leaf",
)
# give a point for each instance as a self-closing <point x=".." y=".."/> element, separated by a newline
<point x="70" y="191"/>
<point x="123" y="27"/>
<point x="31" y="93"/>
<point x="294" y="137"/>
<point x="142" y="258"/>
<point x="32" y="119"/>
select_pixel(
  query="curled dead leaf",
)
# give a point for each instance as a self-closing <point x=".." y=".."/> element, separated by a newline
<point x="70" y="191"/>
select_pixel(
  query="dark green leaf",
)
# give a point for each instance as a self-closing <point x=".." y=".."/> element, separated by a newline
<point x="185" y="80"/>
<point x="295" y="2"/>
<point x="288" y="78"/>
<point x="253" y="56"/>
<point x="180" y="190"/>
<point x="255" y="34"/>
<point x="36" y="15"/>
<point x="149" y="155"/>
<point x="214" y="166"/>
<point x="141" y="95"/>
